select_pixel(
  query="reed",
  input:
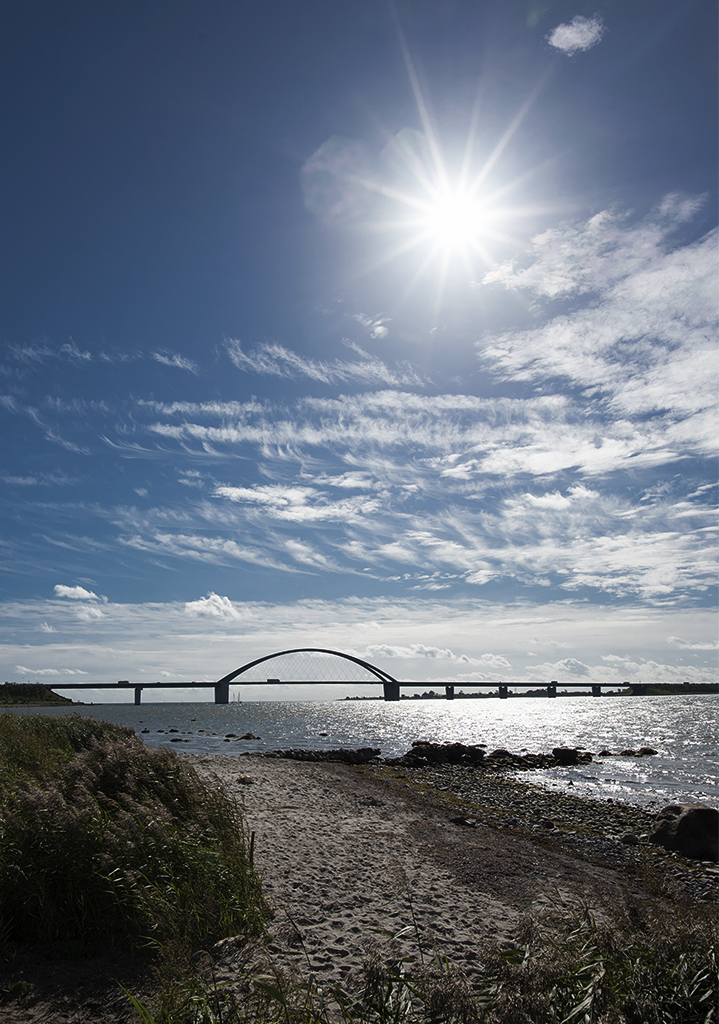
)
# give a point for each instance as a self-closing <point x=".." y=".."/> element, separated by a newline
<point x="648" y="964"/>
<point x="106" y="842"/>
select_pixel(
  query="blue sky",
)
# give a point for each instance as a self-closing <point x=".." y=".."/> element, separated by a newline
<point x="384" y="329"/>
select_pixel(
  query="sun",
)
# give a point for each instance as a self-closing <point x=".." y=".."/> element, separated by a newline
<point x="437" y="202"/>
<point x="453" y="219"/>
<point x="449" y="206"/>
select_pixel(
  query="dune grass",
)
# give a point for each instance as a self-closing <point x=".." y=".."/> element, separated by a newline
<point x="640" y="967"/>
<point x="104" y="842"/>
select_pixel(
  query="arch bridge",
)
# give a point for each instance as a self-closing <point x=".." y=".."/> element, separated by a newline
<point x="321" y="665"/>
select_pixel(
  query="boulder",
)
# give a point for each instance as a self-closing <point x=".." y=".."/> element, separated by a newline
<point x="565" y="755"/>
<point x="424" y="752"/>
<point x="689" y="829"/>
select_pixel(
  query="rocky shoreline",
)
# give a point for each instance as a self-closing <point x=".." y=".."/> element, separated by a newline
<point x="424" y="752"/>
<point x="481" y="789"/>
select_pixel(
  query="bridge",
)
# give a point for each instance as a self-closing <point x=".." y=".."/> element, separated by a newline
<point x="335" y="667"/>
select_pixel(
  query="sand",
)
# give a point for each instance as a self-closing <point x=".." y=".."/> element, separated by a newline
<point x="345" y="860"/>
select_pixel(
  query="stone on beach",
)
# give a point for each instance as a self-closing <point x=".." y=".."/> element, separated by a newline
<point x="690" y="829"/>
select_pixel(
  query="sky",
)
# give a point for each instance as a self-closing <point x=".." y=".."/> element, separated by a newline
<point x="387" y="329"/>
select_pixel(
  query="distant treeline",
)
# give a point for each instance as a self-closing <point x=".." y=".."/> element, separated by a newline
<point x="30" y="693"/>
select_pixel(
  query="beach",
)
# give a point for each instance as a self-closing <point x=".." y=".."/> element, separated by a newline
<point x="388" y="861"/>
<point x="351" y="855"/>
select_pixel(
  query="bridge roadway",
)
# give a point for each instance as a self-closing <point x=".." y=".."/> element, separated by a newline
<point x="391" y="687"/>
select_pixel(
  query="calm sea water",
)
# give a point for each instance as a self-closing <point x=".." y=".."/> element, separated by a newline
<point x="684" y="730"/>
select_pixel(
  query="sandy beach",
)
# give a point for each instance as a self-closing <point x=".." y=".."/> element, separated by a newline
<point x="348" y="855"/>
<point x="351" y="855"/>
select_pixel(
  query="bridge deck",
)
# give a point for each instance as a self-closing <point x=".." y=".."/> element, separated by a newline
<point x="391" y="689"/>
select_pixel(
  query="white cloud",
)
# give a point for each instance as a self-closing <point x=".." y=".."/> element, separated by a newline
<point x="423" y="652"/>
<point x="278" y="361"/>
<point x="690" y="645"/>
<point x="637" y="329"/>
<point x="572" y="667"/>
<point x="579" y="34"/>
<point x="45" y="628"/>
<point x="75" y="593"/>
<point x="412" y="651"/>
<point x="88" y="613"/>
<point x="300" y="504"/>
<point x="39" y="353"/>
<point x="375" y="325"/>
<point x="173" y="359"/>
<point x="150" y="638"/>
<point x="41" y="480"/>
<point x="200" y="548"/>
<point x="25" y="671"/>
<point x="213" y="607"/>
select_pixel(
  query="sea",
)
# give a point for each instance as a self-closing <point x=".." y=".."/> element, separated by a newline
<point x="683" y="729"/>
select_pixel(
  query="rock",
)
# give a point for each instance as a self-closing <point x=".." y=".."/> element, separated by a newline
<point x="467" y="822"/>
<point x="628" y="753"/>
<point x="646" y="751"/>
<point x="245" y="780"/>
<point x="566" y="755"/>
<point x="546" y="823"/>
<point x="690" y="829"/>
<point x="605" y="753"/>
<point x="423" y="752"/>
<point x="360" y="756"/>
<point x="248" y="736"/>
<point x="231" y="942"/>
<point x="629" y="839"/>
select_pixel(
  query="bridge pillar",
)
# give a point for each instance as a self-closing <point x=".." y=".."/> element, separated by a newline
<point x="138" y="695"/>
<point x="503" y="689"/>
<point x="222" y="693"/>
<point x="596" y="690"/>
<point x="552" y="689"/>
<point x="449" y="690"/>
<point x="391" y="690"/>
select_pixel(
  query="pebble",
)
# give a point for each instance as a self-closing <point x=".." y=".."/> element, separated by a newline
<point x="603" y="830"/>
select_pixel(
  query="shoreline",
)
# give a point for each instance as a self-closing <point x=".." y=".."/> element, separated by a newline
<point x="350" y="854"/>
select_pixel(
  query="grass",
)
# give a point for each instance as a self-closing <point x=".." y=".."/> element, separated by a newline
<point x="105" y="842"/>
<point x="638" y="968"/>
<point x="30" y="694"/>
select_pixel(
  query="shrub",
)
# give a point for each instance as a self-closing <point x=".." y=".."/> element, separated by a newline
<point x="103" y="839"/>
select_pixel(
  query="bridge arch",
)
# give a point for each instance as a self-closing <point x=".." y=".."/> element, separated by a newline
<point x="379" y="674"/>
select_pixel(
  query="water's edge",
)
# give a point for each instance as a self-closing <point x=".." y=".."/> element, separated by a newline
<point x="684" y="730"/>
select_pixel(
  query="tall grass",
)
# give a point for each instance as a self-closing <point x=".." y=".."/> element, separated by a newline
<point x="647" y="965"/>
<point x="103" y="841"/>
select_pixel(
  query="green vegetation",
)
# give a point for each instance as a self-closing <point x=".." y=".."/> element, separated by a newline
<point x="103" y="841"/>
<point x="639" y="967"/>
<point x="30" y="695"/>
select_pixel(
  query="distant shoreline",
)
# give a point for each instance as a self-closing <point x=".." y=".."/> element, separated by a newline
<point x="648" y="690"/>
<point x="33" y="695"/>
